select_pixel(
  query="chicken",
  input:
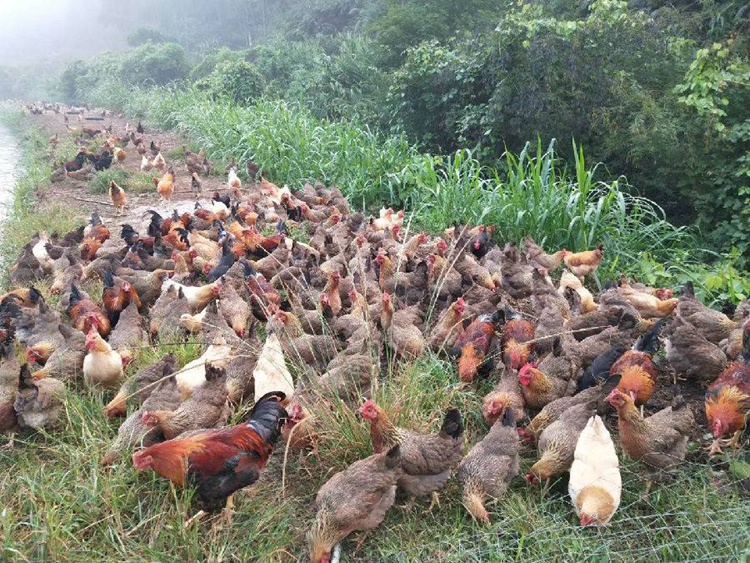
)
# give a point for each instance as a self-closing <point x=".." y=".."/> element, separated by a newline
<point x="637" y="368"/>
<point x="517" y="275"/>
<point x="117" y="195"/>
<point x="585" y="263"/>
<point x="205" y="408"/>
<point x="159" y="162"/>
<point x="271" y="373"/>
<point x="40" y="402"/>
<point x="298" y="431"/>
<point x="166" y="313"/>
<point x="660" y="441"/>
<point x="600" y="368"/>
<point x="569" y="281"/>
<point x="84" y="313"/>
<point x="355" y="499"/>
<point x="140" y="385"/>
<point x="165" y="185"/>
<point x="235" y="310"/>
<point x="197" y="297"/>
<point x="649" y="306"/>
<point x="557" y="443"/>
<point x="193" y="374"/>
<point x="9" y="370"/>
<point x="714" y="326"/>
<point x="219" y="462"/>
<point x="147" y="164"/>
<point x="506" y="395"/>
<point x="536" y="256"/>
<point x="102" y="366"/>
<point x="473" y="345"/>
<point x="426" y="459"/>
<point x="448" y="327"/>
<point x="116" y="298"/>
<point x="128" y="335"/>
<point x="120" y="155"/>
<point x="490" y="466"/>
<point x="594" y="397"/>
<point x="691" y="355"/>
<point x="595" y="482"/>
<point x="540" y="388"/>
<point x="728" y="398"/>
<point x="133" y="431"/>
<point x="66" y="362"/>
<point x="233" y="181"/>
<point x="404" y="338"/>
<point x="515" y="339"/>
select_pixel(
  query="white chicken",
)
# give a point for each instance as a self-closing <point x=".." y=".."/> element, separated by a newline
<point x="595" y="483"/>
<point x="159" y="163"/>
<point x="39" y="250"/>
<point x="193" y="375"/>
<point x="146" y="164"/>
<point x="197" y="297"/>
<point x="271" y="373"/>
<point x="233" y="181"/>
<point x="102" y="366"/>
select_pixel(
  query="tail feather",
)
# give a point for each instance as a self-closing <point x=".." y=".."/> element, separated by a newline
<point x="452" y="425"/>
<point x="649" y="342"/>
<point x="75" y="294"/>
<point x="268" y="416"/>
<point x="474" y="502"/>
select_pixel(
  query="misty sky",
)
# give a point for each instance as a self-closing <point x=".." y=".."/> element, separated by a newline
<point x="32" y="30"/>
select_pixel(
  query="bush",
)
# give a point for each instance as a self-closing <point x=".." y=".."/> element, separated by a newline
<point x="237" y="80"/>
<point x="152" y="64"/>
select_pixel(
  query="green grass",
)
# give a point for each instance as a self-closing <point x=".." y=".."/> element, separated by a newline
<point x="131" y="181"/>
<point x="59" y="505"/>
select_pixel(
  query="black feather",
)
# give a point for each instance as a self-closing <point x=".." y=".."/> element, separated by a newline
<point x="452" y="425"/>
<point x="649" y="342"/>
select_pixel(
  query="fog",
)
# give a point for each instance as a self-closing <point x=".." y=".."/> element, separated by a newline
<point x="43" y="30"/>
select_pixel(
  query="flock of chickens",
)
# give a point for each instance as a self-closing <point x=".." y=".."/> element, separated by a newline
<point x="332" y="311"/>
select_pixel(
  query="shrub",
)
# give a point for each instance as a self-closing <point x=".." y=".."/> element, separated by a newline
<point x="237" y="80"/>
<point x="155" y="64"/>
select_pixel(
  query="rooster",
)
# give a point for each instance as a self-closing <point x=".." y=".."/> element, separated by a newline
<point x="219" y="462"/>
<point x="473" y="345"/>
<point x="637" y="367"/>
<point x="86" y="314"/>
<point x="728" y="398"/>
<point x="515" y="340"/>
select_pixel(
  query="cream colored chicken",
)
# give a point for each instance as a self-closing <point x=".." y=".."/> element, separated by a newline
<point x="595" y="483"/>
<point x="102" y="366"/>
<point x="271" y="373"/>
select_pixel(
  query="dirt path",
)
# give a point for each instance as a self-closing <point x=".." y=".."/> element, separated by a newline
<point x="79" y="194"/>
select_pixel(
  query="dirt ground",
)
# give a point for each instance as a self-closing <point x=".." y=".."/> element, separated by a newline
<point x="78" y="195"/>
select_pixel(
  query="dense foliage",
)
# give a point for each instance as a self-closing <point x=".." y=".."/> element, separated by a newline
<point x="659" y="93"/>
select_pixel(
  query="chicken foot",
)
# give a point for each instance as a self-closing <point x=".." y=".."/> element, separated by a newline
<point x="195" y="518"/>
<point x="11" y="443"/>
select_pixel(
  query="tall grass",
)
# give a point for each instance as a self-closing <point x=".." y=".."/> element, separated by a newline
<point x="537" y="195"/>
<point x="532" y="193"/>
